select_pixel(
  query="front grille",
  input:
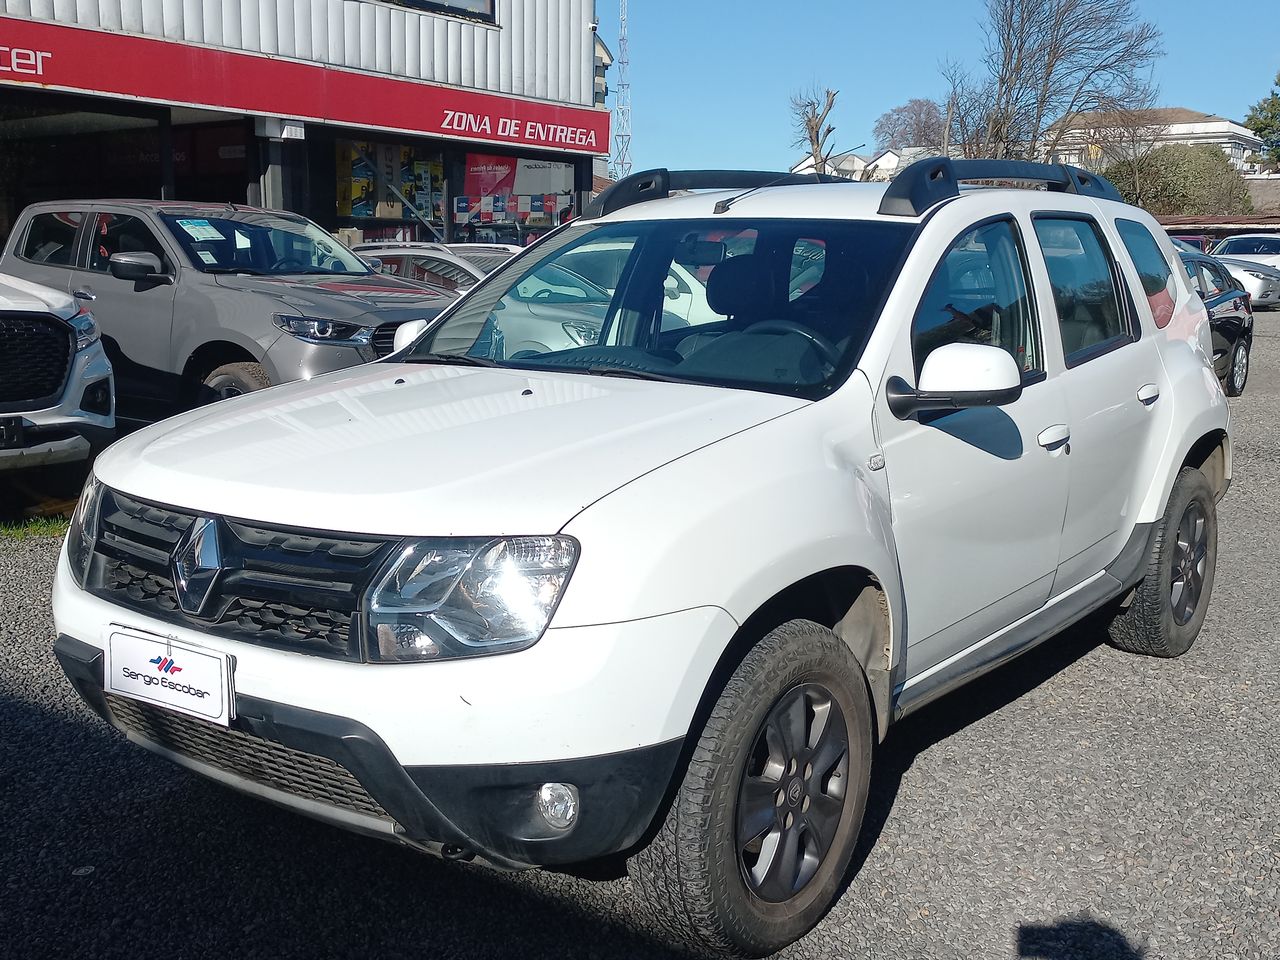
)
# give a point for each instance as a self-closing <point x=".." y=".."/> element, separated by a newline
<point x="35" y="356"/>
<point x="276" y="588"/>
<point x="384" y="339"/>
<point x="252" y="758"/>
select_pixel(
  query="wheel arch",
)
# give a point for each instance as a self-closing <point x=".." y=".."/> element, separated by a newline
<point x="208" y="357"/>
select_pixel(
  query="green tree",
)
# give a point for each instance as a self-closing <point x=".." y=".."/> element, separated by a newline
<point x="1264" y="120"/>
<point x="1181" y="180"/>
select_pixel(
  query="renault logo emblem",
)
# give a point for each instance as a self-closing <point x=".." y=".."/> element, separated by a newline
<point x="197" y="561"/>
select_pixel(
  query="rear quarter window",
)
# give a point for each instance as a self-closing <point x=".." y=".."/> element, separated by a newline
<point x="1153" y="269"/>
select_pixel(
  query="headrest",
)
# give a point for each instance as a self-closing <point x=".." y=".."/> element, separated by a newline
<point x="740" y="285"/>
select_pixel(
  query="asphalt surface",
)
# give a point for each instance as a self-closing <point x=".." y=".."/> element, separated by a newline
<point x="1079" y="804"/>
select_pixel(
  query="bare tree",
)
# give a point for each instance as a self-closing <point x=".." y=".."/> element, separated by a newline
<point x="1121" y="135"/>
<point x="809" y="112"/>
<point x="1046" y="61"/>
<point x="917" y="123"/>
<point x="968" y="108"/>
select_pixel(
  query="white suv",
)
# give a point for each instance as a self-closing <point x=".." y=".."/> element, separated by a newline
<point x="659" y="595"/>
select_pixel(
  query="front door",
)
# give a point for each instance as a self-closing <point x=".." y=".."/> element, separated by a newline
<point x="977" y="495"/>
<point x="136" y="318"/>
<point x="1111" y="385"/>
<point x="1228" y="315"/>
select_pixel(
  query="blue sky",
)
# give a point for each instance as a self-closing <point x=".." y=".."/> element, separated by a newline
<point x="711" y="79"/>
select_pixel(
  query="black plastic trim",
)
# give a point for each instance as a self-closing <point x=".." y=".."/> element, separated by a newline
<point x="482" y="809"/>
<point x="929" y="182"/>
<point x="658" y="184"/>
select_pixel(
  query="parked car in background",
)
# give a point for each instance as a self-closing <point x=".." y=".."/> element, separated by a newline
<point x="1197" y="241"/>
<point x="368" y="245"/>
<point x="1230" y="318"/>
<point x="200" y="302"/>
<point x="1261" y="282"/>
<point x="1261" y="248"/>
<point x="487" y="256"/>
<point x="435" y="265"/>
<point x="57" y="399"/>
<point x="659" y="593"/>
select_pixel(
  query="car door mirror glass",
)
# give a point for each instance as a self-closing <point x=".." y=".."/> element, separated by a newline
<point x="957" y="376"/>
<point x="138" y="267"/>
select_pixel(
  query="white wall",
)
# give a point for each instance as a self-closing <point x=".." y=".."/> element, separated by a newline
<point x="539" y="48"/>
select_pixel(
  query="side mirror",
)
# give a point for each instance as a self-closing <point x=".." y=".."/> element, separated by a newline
<point x="671" y="287"/>
<point x="138" y="267"/>
<point x="957" y="376"/>
<point x="375" y="264"/>
<point x="407" y="333"/>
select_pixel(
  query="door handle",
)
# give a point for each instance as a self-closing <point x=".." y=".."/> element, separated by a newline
<point x="1051" y="438"/>
<point x="1148" y="393"/>
<point x="84" y="295"/>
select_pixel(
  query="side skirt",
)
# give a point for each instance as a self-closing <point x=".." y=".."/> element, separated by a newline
<point x="1021" y="635"/>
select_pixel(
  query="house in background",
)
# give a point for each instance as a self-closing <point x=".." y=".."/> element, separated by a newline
<point x="1090" y="136"/>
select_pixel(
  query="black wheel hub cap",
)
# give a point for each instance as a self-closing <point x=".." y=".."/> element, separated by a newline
<point x="793" y="793"/>
<point x="1190" y="557"/>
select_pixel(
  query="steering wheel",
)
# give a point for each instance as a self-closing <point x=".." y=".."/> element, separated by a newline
<point x="823" y="345"/>
<point x="289" y="265"/>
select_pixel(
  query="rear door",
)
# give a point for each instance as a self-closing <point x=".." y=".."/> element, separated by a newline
<point x="1112" y="382"/>
<point x="44" y="251"/>
<point x="136" y="318"/>
<point x="1228" y="314"/>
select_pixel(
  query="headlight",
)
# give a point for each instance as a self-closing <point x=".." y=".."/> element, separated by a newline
<point x="466" y="598"/>
<point x="324" y="331"/>
<point x="82" y="533"/>
<point x="583" y="334"/>
<point x="86" y="329"/>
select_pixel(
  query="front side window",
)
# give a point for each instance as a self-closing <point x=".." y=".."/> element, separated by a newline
<point x="979" y="294"/>
<point x="1090" y="316"/>
<point x="51" y="238"/>
<point x="119" y="233"/>
<point x="261" y="243"/>
<point x="720" y="302"/>
<point x="1153" y="269"/>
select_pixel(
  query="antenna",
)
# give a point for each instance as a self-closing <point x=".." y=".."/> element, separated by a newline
<point x="622" y="102"/>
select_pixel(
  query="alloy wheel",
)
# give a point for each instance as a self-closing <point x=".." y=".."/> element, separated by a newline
<point x="1240" y="368"/>
<point x="1190" y="558"/>
<point x="793" y="792"/>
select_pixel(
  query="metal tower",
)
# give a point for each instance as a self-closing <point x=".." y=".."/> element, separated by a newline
<point x="622" y="101"/>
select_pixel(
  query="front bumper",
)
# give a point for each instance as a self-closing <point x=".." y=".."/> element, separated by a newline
<point x="66" y="432"/>
<point x="277" y="751"/>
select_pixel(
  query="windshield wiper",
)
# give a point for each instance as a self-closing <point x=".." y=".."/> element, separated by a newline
<point x="251" y="271"/>
<point x="459" y="358"/>
<point x="600" y="370"/>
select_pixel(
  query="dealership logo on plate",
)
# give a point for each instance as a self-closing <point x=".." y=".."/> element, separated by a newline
<point x="165" y="665"/>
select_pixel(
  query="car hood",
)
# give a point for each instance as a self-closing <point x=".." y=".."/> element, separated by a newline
<point x="24" y="296"/>
<point x="1271" y="272"/>
<point x="414" y="449"/>
<point x="1266" y="259"/>
<point x="375" y="298"/>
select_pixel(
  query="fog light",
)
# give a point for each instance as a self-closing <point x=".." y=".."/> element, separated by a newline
<point x="558" y="804"/>
<point x="97" y="398"/>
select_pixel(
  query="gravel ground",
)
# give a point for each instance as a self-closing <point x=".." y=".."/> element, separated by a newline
<point x="1078" y="804"/>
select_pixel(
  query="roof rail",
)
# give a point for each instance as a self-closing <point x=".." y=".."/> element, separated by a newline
<point x="930" y="181"/>
<point x="658" y="184"/>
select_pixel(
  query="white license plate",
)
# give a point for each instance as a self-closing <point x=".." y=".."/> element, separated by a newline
<point x="177" y="676"/>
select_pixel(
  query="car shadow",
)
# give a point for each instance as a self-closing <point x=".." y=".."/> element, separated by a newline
<point x="1076" y="938"/>
<point x="947" y="716"/>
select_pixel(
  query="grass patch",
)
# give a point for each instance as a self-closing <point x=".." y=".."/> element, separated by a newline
<point x="34" y="528"/>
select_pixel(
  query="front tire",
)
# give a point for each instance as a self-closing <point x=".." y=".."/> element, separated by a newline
<point x="232" y="380"/>
<point x="1169" y="604"/>
<point x="1238" y="371"/>
<point x="754" y="849"/>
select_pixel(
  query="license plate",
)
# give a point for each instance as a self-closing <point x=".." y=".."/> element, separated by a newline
<point x="10" y="433"/>
<point x="177" y="676"/>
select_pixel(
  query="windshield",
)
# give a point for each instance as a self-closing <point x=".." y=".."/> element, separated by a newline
<point x="1249" y="245"/>
<point x="784" y="306"/>
<point x="261" y="243"/>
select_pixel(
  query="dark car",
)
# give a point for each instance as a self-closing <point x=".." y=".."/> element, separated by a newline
<point x="1230" y="318"/>
<point x="203" y="301"/>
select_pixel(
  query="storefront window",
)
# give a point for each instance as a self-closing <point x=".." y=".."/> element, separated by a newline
<point x="473" y="9"/>
<point x="512" y="200"/>
<point x="389" y="191"/>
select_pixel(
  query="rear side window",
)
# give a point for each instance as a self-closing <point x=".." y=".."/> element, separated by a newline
<point x="1153" y="269"/>
<point x="441" y="273"/>
<point x="1090" y="316"/>
<point x="980" y="294"/>
<point x="51" y="238"/>
<point x="1215" y="280"/>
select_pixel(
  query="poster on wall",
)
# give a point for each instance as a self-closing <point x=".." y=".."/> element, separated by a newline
<point x="511" y="190"/>
<point x="389" y="182"/>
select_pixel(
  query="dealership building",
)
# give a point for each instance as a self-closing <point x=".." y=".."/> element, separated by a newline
<point x="410" y="119"/>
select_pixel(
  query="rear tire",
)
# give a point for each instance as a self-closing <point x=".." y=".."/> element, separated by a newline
<point x="785" y="755"/>
<point x="1170" y="603"/>
<point x="232" y="380"/>
<point x="1238" y="371"/>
